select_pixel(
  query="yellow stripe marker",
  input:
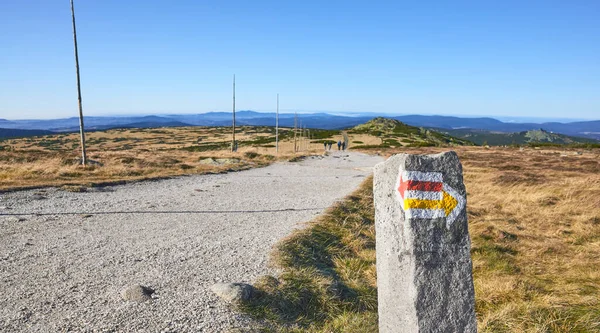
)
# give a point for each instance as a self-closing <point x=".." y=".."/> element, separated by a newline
<point x="448" y="203"/>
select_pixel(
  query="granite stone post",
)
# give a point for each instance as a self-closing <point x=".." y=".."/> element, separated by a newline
<point x="424" y="269"/>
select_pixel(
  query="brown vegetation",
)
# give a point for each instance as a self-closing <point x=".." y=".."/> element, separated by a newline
<point x="134" y="154"/>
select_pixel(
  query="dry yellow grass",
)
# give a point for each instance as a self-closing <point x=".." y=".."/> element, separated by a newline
<point x="535" y="224"/>
<point x="135" y="154"/>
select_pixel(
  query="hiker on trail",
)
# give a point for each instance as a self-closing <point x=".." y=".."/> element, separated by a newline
<point x="344" y="145"/>
<point x="339" y="144"/>
<point x="325" y="144"/>
<point x="330" y="145"/>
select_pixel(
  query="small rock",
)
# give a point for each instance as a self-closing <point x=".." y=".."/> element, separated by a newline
<point x="209" y="161"/>
<point x="219" y="161"/>
<point x="233" y="292"/>
<point x="227" y="160"/>
<point x="137" y="293"/>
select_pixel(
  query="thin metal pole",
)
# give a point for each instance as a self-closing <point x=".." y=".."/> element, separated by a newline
<point x="233" y="142"/>
<point x="277" y="127"/>
<point x="81" y="131"/>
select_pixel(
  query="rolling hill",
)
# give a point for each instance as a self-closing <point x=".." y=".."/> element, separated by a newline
<point x="494" y="138"/>
<point x="588" y="129"/>
<point x="394" y="133"/>
<point x="6" y="133"/>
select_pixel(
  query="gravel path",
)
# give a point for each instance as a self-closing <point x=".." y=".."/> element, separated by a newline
<point x="65" y="257"/>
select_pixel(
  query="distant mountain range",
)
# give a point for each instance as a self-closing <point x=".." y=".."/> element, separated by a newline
<point x="495" y="138"/>
<point x="19" y="133"/>
<point x="588" y="129"/>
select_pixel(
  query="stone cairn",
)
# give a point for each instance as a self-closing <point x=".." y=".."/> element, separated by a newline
<point x="424" y="269"/>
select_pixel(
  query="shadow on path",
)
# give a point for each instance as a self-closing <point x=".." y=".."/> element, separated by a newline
<point x="170" y="212"/>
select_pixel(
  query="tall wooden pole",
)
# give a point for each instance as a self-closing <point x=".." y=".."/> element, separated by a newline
<point x="81" y="131"/>
<point x="277" y="127"/>
<point x="233" y="140"/>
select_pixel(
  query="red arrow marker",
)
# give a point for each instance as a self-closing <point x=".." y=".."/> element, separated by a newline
<point x="417" y="185"/>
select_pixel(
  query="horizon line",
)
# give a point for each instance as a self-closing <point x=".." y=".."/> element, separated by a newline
<point x="350" y="114"/>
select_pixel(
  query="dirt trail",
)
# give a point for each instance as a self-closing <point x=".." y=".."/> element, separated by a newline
<point x="64" y="257"/>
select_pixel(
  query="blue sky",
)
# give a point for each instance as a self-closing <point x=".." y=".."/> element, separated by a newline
<point x="510" y="58"/>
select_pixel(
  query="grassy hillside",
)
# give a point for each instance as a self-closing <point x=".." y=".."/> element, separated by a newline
<point x="534" y="222"/>
<point x="534" y="137"/>
<point x="393" y="133"/>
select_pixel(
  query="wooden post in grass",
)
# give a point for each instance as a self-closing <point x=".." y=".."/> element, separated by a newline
<point x="295" y="131"/>
<point x="424" y="269"/>
<point x="300" y="148"/>
<point x="301" y="139"/>
<point x="81" y="129"/>
<point x="346" y="140"/>
<point x="305" y="138"/>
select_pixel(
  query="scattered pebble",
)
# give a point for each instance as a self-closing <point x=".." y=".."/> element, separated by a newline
<point x="137" y="293"/>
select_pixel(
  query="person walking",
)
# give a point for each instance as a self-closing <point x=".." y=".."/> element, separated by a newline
<point x="330" y="143"/>
<point x="344" y="145"/>
<point x="325" y="145"/>
<point x="339" y="144"/>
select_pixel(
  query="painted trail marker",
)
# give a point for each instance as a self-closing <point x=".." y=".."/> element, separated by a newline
<point x="425" y="195"/>
<point x="424" y="269"/>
